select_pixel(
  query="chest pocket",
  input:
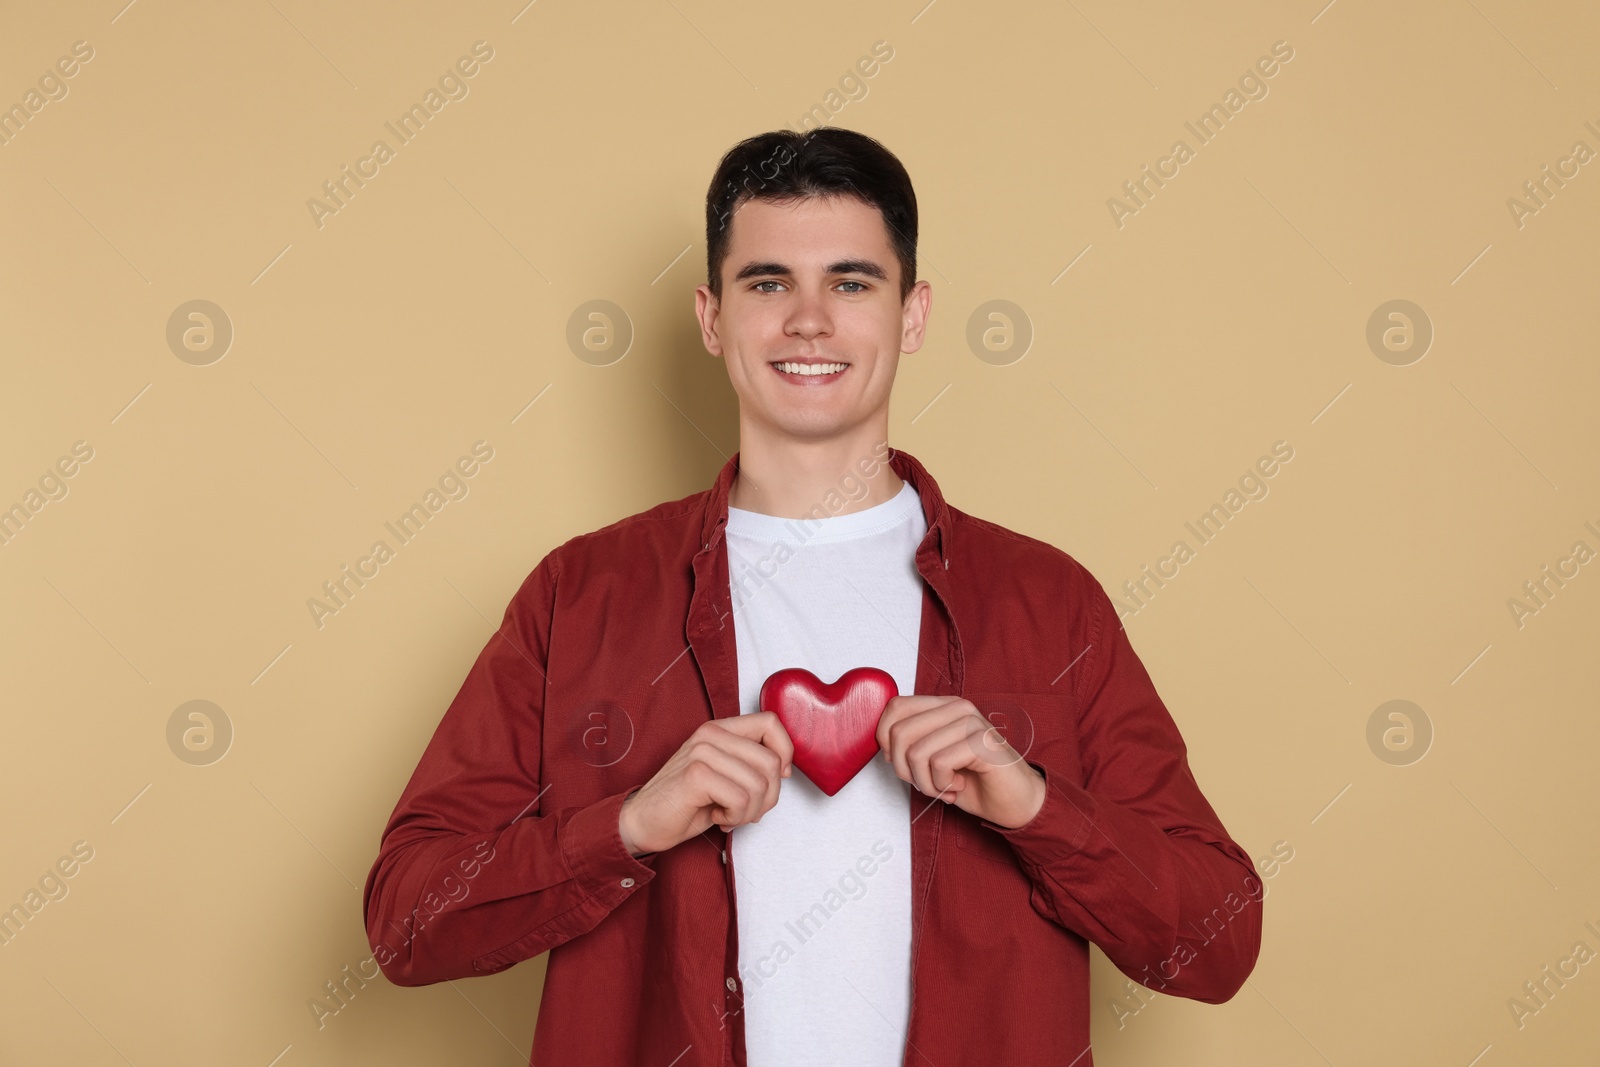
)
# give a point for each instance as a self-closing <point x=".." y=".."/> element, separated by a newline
<point x="1040" y="727"/>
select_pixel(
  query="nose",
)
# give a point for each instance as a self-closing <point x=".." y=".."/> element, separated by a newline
<point x="808" y="315"/>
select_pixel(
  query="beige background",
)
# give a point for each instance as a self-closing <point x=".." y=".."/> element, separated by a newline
<point x="368" y="354"/>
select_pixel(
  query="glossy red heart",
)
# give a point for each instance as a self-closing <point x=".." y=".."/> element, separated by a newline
<point x="834" y="727"/>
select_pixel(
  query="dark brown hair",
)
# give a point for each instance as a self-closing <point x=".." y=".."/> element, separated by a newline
<point x="828" y="161"/>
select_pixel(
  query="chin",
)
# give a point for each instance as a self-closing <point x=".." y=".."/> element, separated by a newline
<point x="820" y="427"/>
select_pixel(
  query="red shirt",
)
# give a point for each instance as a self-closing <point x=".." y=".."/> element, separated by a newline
<point x="504" y="844"/>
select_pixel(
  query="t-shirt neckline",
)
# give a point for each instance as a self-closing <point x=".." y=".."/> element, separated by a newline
<point x="774" y="528"/>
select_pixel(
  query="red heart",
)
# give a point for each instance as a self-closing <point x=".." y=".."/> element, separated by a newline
<point x="834" y="727"/>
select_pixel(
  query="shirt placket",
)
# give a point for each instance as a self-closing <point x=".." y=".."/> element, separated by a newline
<point x="939" y="671"/>
<point x="711" y="638"/>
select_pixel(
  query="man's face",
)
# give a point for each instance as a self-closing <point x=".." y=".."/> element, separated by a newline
<point x="810" y="322"/>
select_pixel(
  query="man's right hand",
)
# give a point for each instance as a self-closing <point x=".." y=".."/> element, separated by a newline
<point x="726" y="774"/>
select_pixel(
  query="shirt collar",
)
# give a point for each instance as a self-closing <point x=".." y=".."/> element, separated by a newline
<point x="902" y="463"/>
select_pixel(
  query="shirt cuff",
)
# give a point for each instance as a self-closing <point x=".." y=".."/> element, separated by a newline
<point x="1060" y="826"/>
<point x="600" y="863"/>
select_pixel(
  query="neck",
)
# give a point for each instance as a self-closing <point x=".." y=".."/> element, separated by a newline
<point x="790" y="478"/>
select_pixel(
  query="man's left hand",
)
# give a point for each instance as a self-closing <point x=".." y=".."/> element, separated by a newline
<point x="945" y="748"/>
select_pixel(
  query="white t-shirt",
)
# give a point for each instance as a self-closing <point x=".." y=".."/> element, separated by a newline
<point x="823" y="883"/>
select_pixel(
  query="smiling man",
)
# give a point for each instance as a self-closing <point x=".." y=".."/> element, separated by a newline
<point x="605" y="786"/>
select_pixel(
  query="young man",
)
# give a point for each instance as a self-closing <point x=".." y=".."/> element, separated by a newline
<point x="605" y="788"/>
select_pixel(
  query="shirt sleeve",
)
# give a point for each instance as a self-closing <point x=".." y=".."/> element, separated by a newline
<point x="473" y="874"/>
<point x="1135" y="859"/>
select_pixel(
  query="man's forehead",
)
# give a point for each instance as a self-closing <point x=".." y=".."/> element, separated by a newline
<point x="854" y="228"/>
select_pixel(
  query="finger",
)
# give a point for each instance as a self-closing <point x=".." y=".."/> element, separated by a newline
<point x="764" y="768"/>
<point x="950" y="744"/>
<point x="764" y="728"/>
<point x="899" y="707"/>
<point x="716" y="798"/>
<point x="911" y="729"/>
<point x="767" y="765"/>
<point x="992" y="748"/>
<point x="761" y="764"/>
<point x="952" y="768"/>
<point x="776" y="738"/>
<point x="726" y="801"/>
<point x="764" y="762"/>
<point x="731" y="784"/>
<point x="760" y="755"/>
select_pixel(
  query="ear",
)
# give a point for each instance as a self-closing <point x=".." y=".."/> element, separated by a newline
<point x="914" y="316"/>
<point x="707" y="308"/>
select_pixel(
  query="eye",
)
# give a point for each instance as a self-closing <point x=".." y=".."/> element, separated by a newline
<point x="757" y="286"/>
<point x="862" y="289"/>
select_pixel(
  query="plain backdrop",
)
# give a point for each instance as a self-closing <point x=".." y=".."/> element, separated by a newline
<point x="1143" y="360"/>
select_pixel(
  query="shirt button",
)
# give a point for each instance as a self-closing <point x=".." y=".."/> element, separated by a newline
<point x="732" y="985"/>
<point x="627" y="883"/>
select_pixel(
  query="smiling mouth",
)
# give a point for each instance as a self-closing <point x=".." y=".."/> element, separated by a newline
<point x="809" y="373"/>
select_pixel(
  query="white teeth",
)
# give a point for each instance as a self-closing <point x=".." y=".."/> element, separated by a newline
<point x="811" y="368"/>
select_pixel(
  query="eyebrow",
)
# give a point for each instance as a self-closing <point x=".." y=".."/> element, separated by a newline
<point x="843" y="266"/>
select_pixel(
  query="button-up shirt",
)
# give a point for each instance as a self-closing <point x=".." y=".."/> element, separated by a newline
<point x="620" y="643"/>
